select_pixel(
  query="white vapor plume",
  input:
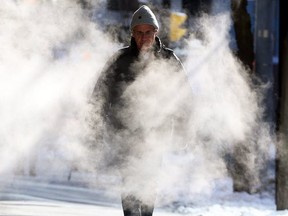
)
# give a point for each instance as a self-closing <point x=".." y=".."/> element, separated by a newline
<point x="226" y="106"/>
<point x="181" y="126"/>
<point x="226" y="119"/>
<point x="51" y="55"/>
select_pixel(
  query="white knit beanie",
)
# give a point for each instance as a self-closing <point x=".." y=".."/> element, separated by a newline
<point x="144" y="15"/>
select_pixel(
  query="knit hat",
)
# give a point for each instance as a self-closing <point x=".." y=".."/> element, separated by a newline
<point x="144" y="15"/>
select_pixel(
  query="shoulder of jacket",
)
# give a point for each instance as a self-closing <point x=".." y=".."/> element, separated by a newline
<point x="169" y="53"/>
<point x="118" y="55"/>
<point x="123" y="51"/>
<point x="167" y="49"/>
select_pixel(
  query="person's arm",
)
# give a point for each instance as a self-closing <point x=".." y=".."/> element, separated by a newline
<point x="100" y="101"/>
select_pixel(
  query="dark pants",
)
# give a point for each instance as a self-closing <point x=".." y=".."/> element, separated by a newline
<point x="135" y="207"/>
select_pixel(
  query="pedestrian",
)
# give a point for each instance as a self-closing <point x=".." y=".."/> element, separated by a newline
<point x="138" y="194"/>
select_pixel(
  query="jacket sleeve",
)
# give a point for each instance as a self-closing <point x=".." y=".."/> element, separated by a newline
<point x="178" y="63"/>
<point x="100" y="101"/>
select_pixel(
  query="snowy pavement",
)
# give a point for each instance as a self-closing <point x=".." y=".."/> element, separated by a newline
<point x="48" y="208"/>
<point x="23" y="197"/>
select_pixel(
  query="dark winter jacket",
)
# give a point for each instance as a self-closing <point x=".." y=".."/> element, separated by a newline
<point x="119" y="74"/>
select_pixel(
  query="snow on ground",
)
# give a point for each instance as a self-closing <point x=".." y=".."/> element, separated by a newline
<point x="31" y="197"/>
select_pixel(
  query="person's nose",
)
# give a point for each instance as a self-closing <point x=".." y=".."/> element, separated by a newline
<point x="145" y="36"/>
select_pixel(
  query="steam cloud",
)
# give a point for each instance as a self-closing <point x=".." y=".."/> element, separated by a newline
<point x="51" y="57"/>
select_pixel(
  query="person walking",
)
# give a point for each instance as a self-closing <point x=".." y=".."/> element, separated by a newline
<point x="121" y="72"/>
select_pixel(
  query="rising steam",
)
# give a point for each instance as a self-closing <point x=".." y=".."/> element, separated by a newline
<point x="51" y="55"/>
<point x="181" y="125"/>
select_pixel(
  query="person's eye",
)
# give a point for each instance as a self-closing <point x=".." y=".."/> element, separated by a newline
<point x="149" y="33"/>
<point x="138" y="33"/>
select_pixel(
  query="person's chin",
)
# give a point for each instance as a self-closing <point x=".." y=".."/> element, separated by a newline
<point x="145" y="48"/>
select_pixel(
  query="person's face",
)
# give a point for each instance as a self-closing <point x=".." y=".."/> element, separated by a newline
<point x="144" y="36"/>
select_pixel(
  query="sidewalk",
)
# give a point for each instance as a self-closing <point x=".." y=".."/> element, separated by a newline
<point x="29" y="188"/>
